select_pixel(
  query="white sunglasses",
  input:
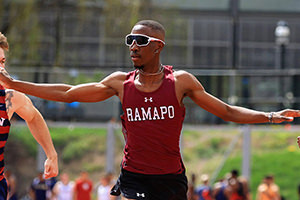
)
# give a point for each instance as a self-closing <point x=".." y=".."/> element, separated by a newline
<point x="140" y="39"/>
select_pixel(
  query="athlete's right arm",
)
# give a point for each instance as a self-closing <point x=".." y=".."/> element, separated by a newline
<point x="90" y="92"/>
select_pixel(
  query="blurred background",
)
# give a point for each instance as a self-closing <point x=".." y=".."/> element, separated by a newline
<point x="244" y="52"/>
<point x="232" y="46"/>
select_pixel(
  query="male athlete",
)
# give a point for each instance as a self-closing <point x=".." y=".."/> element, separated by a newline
<point x="152" y="101"/>
<point x="15" y="102"/>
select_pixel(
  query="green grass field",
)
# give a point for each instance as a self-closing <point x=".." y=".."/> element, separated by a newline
<point x="273" y="148"/>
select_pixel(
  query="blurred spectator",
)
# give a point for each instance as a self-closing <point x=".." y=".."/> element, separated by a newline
<point x="268" y="190"/>
<point x="83" y="187"/>
<point x="237" y="188"/>
<point x="50" y="182"/>
<point x="191" y="188"/>
<point x="204" y="191"/>
<point x="63" y="189"/>
<point x="219" y="190"/>
<point x="39" y="188"/>
<point x="103" y="191"/>
<point x="12" y="185"/>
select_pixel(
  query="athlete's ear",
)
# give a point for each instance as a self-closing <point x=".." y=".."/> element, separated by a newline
<point x="159" y="48"/>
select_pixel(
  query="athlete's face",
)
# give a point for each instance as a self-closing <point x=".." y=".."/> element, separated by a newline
<point x="2" y="58"/>
<point x="144" y="55"/>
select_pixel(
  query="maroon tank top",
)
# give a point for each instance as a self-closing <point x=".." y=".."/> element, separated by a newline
<point x="152" y="123"/>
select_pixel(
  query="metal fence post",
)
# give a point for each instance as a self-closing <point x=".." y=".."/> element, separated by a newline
<point x="110" y="146"/>
<point x="226" y="155"/>
<point x="246" y="130"/>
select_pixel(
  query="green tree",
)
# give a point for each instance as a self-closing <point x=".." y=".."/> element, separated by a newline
<point x="121" y="15"/>
<point x="20" y="23"/>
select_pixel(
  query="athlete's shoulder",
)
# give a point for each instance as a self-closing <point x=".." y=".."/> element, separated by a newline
<point x="13" y="94"/>
<point x="115" y="77"/>
<point x="183" y="75"/>
<point x="15" y="100"/>
<point x="118" y="75"/>
<point x="187" y="81"/>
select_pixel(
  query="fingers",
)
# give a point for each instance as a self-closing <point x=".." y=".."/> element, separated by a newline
<point x="286" y="115"/>
<point x="291" y="113"/>
<point x="5" y="78"/>
<point x="280" y="117"/>
<point x="50" y="173"/>
<point x="288" y="119"/>
<point x="50" y="169"/>
<point x="295" y="113"/>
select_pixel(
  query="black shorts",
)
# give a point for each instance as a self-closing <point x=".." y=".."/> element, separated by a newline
<point x="151" y="187"/>
<point x="3" y="189"/>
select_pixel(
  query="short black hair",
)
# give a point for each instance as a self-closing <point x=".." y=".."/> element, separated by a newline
<point x="154" y="25"/>
<point x="235" y="172"/>
<point x="269" y="177"/>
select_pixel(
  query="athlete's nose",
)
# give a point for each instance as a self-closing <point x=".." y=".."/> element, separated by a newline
<point x="134" y="46"/>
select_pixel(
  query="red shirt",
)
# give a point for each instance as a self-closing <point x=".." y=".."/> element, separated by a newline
<point x="152" y="124"/>
<point x="83" y="189"/>
<point x="4" y="129"/>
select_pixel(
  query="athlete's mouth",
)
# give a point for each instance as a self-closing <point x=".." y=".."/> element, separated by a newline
<point x="135" y="57"/>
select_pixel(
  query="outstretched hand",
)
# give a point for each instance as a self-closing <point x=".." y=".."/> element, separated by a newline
<point x="50" y="168"/>
<point x="286" y="115"/>
<point x="5" y="78"/>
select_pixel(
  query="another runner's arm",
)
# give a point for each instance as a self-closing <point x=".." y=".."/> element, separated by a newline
<point x="23" y="106"/>
<point x="90" y="92"/>
<point x="193" y="88"/>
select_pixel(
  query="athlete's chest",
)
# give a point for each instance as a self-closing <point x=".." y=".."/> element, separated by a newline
<point x="147" y="88"/>
<point x="160" y="104"/>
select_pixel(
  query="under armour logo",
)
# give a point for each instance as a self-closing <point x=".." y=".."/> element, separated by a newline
<point x="150" y="99"/>
<point x="140" y="195"/>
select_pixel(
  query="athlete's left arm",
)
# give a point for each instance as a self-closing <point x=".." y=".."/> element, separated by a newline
<point x="19" y="103"/>
<point x="188" y="85"/>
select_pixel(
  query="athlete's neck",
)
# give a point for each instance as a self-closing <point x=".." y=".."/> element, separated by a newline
<point x="154" y="72"/>
<point x="145" y="79"/>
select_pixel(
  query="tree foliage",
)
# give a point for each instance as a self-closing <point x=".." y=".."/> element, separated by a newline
<point x="20" y="23"/>
<point x="121" y="15"/>
<point x="34" y="27"/>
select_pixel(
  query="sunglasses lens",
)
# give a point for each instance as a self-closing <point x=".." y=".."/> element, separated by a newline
<point x="129" y="39"/>
<point x="141" y="40"/>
